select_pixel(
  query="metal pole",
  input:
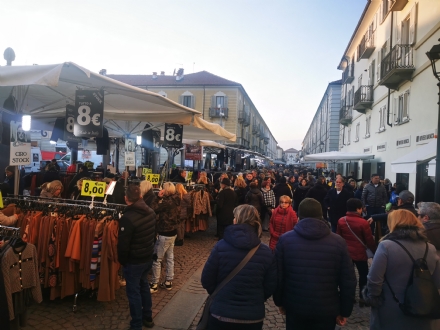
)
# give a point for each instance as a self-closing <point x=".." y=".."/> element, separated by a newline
<point x="437" y="158"/>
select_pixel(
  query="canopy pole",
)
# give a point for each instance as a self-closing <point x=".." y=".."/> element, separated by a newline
<point x="117" y="155"/>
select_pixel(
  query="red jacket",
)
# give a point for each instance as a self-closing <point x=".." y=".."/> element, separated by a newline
<point x="281" y="221"/>
<point x="362" y="230"/>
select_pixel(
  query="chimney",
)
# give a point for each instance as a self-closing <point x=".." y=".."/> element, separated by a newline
<point x="162" y="73"/>
<point x="103" y="72"/>
<point x="179" y="74"/>
<point x="154" y="75"/>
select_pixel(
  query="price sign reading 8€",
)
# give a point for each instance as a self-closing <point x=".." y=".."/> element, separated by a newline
<point x="93" y="188"/>
<point x="153" y="178"/>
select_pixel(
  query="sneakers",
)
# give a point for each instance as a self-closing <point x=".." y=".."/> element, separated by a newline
<point x="166" y="285"/>
<point x="148" y="323"/>
<point x="153" y="287"/>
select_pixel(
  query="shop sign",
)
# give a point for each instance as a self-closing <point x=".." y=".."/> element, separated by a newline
<point x="367" y="150"/>
<point x="20" y="151"/>
<point x="69" y="125"/>
<point x="382" y="147"/>
<point x="403" y="142"/>
<point x="425" y="137"/>
<point x="130" y="159"/>
<point x="173" y="136"/>
<point x="193" y="152"/>
<point x="88" y="114"/>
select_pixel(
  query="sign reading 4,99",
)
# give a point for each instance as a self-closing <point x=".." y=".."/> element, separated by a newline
<point x="88" y="115"/>
<point x="93" y="188"/>
<point x="173" y="136"/>
<point x="153" y="178"/>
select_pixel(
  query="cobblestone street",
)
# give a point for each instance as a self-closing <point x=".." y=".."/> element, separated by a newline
<point x="191" y="256"/>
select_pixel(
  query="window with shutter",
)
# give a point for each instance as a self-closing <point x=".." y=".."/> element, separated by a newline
<point x="413" y="25"/>
<point x="187" y="101"/>
<point x="367" y="126"/>
<point x="382" y="118"/>
<point x="358" y="127"/>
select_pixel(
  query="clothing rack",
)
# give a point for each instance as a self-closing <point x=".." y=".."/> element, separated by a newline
<point x="9" y="231"/>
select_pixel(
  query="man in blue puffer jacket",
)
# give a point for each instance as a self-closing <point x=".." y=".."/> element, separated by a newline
<point x="240" y="303"/>
<point x="316" y="279"/>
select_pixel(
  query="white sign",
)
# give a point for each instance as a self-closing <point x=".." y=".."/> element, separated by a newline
<point x="426" y="136"/>
<point x="20" y="152"/>
<point x="403" y="142"/>
<point x="381" y="147"/>
<point x="367" y="150"/>
<point x="130" y="159"/>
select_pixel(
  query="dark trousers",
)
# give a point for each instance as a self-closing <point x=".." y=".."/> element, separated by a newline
<point x="362" y="267"/>
<point x="221" y="230"/>
<point x="215" y="324"/>
<point x="138" y="293"/>
<point x="295" y="322"/>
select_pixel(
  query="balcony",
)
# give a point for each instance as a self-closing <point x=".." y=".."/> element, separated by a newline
<point x="218" y="112"/>
<point x="348" y="74"/>
<point x="398" y="5"/>
<point x="256" y="129"/>
<point x="243" y="142"/>
<point x="255" y="148"/>
<point x="345" y="115"/>
<point x="244" y="118"/>
<point x="367" y="46"/>
<point x="363" y="98"/>
<point x="262" y="133"/>
<point x="397" y="66"/>
<point x="266" y="140"/>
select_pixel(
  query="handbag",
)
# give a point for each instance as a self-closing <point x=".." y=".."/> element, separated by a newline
<point x="370" y="253"/>
<point x="203" y="323"/>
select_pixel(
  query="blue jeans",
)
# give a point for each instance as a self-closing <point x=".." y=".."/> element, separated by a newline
<point x="138" y="293"/>
<point x="164" y="248"/>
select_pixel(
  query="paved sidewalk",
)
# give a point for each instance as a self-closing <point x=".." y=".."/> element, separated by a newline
<point x="186" y="298"/>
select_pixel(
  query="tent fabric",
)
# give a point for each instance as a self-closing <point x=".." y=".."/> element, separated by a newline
<point x="431" y="167"/>
<point x="408" y="163"/>
<point x="204" y="143"/>
<point x="44" y="90"/>
<point x="336" y="156"/>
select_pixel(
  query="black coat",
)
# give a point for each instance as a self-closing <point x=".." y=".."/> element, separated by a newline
<point x="318" y="192"/>
<point x="149" y="197"/>
<point x="241" y="194"/>
<point x="136" y="234"/>
<point x="241" y="298"/>
<point x="337" y="203"/>
<point x="315" y="272"/>
<point x="279" y="190"/>
<point x="226" y="202"/>
<point x="255" y="198"/>
<point x="300" y="194"/>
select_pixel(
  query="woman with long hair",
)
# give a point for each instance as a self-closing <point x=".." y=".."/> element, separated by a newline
<point x="240" y="303"/>
<point x="52" y="189"/>
<point x="392" y="269"/>
<point x="240" y="189"/>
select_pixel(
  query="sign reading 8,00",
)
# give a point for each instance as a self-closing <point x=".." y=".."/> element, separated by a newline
<point x="93" y="188"/>
<point x="153" y="178"/>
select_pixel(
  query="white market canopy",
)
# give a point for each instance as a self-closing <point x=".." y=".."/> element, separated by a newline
<point x="44" y="90"/>
<point x="204" y="143"/>
<point x="336" y="156"/>
<point x="408" y="163"/>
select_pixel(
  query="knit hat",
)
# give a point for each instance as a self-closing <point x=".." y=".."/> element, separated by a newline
<point x="226" y="181"/>
<point x="406" y="196"/>
<point x="310" y="208"/>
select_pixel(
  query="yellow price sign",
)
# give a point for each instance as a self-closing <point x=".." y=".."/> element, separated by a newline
<point x="153" y="178"/>
<point x="189" y="175"/>
<point x="146" y="171"/>
<point x="93" y="188"/>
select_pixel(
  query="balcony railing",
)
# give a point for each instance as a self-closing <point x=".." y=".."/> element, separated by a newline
<point x="367" y="45"/>
<point x="244" y="118"/>
<point x="266" y="140"/>
<point x="363" y="98"/>
<point x="218" y="112"/>
<point x="397" y="66"/>
<point x="348" y="74"/>
<point x="243" y="142"/>
<point x="262" y="133"/>
<point x="345" y="115"/>
<point x="256" y="129"/>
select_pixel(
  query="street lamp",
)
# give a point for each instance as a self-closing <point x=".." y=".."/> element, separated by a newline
<point x="434" y="55"/>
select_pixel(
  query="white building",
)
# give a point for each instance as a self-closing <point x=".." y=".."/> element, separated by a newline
<point x="389" y="94"/>
<point x="291" y="156"/>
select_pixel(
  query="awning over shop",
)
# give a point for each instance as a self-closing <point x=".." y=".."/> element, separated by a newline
<point x="44" y="90"/>
<point x="408" y="163"/>
<point x="336" y="156"/>
<point x="278" y="162"/>
<point x="204" y="143"/>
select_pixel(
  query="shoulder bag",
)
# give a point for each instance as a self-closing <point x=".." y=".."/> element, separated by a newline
<point x="370" y="253"/>
<point x="203" y="324"/>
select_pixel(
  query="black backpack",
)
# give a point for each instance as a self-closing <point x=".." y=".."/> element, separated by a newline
<point x="422" y="298"/>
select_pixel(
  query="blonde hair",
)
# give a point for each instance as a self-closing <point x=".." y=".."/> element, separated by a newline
<point x="169" y="188"/>
<point x="249" y="215"/>
<point x="286" y="198"/>
<point x="181" y="190"/>
<point x="203" y="178"/>
<point x="403" y="218"/>
<point x="239" y="182"/>
<point x="145" y="186"/>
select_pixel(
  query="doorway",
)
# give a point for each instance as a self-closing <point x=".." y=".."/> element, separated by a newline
<point x="425" y="187"/>
<point x="381" y="170"/>
<point x="366" y="171"/>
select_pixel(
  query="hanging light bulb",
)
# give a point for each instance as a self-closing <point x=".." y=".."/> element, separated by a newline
<point x="138" y="139"/>
<point x="26" y="122"/>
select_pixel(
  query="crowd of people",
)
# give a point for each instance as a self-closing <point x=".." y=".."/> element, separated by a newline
<point x="320" y="229"/>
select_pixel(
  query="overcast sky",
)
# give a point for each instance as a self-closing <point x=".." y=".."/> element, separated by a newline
<point x="283" y="52"/>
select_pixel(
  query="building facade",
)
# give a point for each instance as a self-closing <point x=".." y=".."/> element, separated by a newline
<point x="323" y="133"/>
<point x="389" y="94"/>
<point x="220" y="101"/>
